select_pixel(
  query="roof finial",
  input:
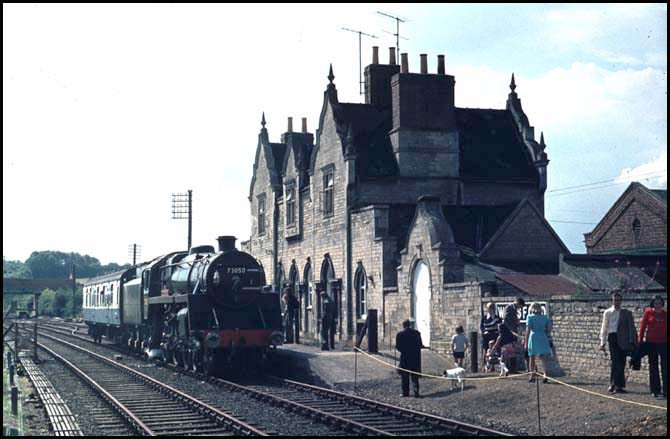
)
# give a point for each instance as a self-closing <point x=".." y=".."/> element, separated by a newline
<point x="263" y="120"/>
<point x="512" y="85"/>
<point x="330" y="74"/>
<point x="542" y="144"/>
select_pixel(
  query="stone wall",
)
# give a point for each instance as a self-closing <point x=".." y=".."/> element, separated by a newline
<point x="576" y="323"/>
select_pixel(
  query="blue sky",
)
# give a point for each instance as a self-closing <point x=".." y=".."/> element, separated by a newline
<point x="109" y="109"/>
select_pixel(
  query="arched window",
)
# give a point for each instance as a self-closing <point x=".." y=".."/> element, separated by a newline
<point x="309" y="280"/>
<point x="361" y="286"/>
<point x="328" y="276"/>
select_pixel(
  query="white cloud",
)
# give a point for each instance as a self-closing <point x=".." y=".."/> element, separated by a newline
<point x="653" y="174"/>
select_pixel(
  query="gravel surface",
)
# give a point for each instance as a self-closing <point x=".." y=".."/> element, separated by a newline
<point x="510" y="405"/>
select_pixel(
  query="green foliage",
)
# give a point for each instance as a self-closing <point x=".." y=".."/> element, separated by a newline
<point x="58" y="265"/>
<point x="15" y="269"/>
<point x="59" y="303"/>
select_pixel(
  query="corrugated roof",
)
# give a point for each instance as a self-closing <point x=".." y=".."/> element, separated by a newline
<point x="541" y="284"/>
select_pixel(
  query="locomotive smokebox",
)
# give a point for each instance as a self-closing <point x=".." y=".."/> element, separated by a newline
<point x="226" y="243"/>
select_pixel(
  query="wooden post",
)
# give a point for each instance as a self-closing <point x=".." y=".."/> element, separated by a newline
<point x="373" y="343"/>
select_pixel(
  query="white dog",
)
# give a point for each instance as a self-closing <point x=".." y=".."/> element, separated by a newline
<point x="456" y="376"/>
<point x="504" y="371"/>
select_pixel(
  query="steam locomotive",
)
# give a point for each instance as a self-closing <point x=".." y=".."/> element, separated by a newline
<point x="201" y="309"/>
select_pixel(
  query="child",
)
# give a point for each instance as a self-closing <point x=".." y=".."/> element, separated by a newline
<point x="491" y="358"/>
<point x="459" y="343"/>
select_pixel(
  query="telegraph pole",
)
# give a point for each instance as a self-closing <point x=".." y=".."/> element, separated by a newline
<point x="182" y="208"/>
<point x="360" y="58"/>
<point x="134" y="251"/>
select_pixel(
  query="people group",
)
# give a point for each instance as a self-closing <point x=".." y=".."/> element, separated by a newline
<point x="500" y="340"/>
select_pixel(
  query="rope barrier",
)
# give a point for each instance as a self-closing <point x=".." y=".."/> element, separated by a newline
<point x="440" y="376"/>
<point x="607" y="396"/>
<point x="513" y="376"/>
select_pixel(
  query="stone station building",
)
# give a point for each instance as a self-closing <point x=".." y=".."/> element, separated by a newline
<point x="405" y="204"/>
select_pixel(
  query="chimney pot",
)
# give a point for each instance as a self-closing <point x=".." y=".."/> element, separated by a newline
<point x="375" y="54"/>
<point x="392" y="56"/>
<point x="304" y="124"/>
<point x="290" y="125"/>
<point x="440" y="65"/>
<point x="424" y="63"/>
<point x="403" y="63"/>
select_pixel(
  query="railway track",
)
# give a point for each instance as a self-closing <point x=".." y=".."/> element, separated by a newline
<point x="148" y="406"/>
<point x="343" y="413"/>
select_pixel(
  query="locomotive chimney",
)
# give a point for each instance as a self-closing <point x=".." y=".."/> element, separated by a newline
<point x="226" y="243"/>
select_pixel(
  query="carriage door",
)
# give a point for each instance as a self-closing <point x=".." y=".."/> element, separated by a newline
<point x="421" y="301"/>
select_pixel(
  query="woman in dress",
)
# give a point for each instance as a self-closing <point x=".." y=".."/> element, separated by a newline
<point x="538" y="327"/>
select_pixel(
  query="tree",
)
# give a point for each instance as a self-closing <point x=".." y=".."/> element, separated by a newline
<point x="15" y="270"/>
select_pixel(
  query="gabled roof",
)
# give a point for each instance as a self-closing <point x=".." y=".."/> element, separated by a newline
<point x="370" y="126"/>
<point x="490" y="142"/>
<point x="278" y="151"/>
<point x="655" y="200"/>
<point x="474" y="226"/>
<point x="491" y="146"/>
<point x="510" y="220"/>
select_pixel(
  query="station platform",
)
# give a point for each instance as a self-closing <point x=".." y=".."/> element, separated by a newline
<point x="308" y="362"/>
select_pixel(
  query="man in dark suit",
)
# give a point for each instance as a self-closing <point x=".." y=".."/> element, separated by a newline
<point x="328" y="322"/>
<point x="408" y="342"/>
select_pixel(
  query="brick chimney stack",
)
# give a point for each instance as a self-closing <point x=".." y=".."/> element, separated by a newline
<point x="375" y="55"/>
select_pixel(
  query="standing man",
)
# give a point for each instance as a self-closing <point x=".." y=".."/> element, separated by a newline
<point x="290" y="309"/>
<point x="328" y="318"/>
<point x="618" y="330"/>
<point x="408" y="342"/>
<point x="511" y="320"/>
